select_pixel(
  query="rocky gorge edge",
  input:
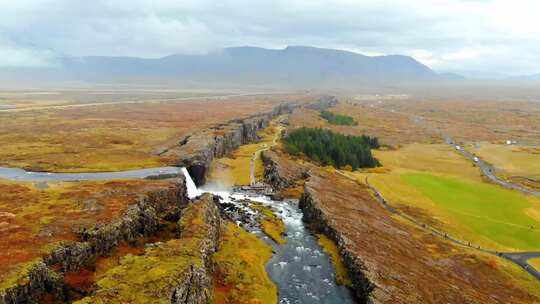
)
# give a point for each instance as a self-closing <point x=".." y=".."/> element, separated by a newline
<point x="140" y="219"/>
<point x="178" y="271"/>
<point x="319" y="223"/>
<point x="223" y="139"/>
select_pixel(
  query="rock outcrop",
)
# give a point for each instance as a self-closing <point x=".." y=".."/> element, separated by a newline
<point x="319" y="222"/>
<point x="178" y="271"/>
<point x="198" y="152"/>
<point x="140" y="219"/>
<point x="281" y="173"/>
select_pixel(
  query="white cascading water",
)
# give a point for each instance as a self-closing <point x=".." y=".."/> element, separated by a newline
<point x="300" y="268"/>
<point x="192" y="191"/>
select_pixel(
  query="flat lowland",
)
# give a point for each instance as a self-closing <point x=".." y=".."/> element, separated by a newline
<point x="471" y="120"/>
<point x="391" y="128"/>
<point x="514" y="162"/>
<point x="409" y="265"/>
<point x="112" y="137"/>
<point x="535" y="263"/>
<point x="33" y="220"/>
<point x="436" y="185"/>
<point x="488" y="211"/>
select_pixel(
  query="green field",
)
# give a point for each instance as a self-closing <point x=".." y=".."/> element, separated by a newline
<point x="489" y="211"/>
<point x="535" y="263"/>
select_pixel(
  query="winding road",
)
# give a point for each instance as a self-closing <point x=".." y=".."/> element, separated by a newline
<point x="519" y="258"/>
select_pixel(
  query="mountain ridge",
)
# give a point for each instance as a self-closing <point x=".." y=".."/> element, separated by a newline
<point x="292" y="65"/>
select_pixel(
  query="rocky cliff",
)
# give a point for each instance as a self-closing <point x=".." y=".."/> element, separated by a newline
<point x="198" y="151"/>
<point x="318" y="221"/>
<point x="140" y="219"/>
<point x="178" y="271"/>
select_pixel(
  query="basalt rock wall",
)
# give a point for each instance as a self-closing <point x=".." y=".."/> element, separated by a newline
<point x="200" y="149"/>
<point x="280" y="177"/>
<point x="318" y="221"/>
<point x="140" y="219"/>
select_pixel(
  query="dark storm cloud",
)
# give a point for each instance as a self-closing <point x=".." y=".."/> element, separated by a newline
<point x="492" y="37"/>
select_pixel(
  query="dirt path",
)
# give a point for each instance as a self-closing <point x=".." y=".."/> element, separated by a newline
<point x="257" y="154"/>
<point x="519" y="258"/>
<point x="171" y="100"/>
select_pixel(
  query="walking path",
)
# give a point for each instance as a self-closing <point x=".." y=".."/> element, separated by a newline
<point x="519" y="258"/>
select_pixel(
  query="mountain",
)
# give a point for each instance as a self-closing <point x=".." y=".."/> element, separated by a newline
<point x="294" y="65"/>
<point x="526" y="77"/>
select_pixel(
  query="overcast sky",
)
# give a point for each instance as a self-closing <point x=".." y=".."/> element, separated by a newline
<point x="472" y="37"/>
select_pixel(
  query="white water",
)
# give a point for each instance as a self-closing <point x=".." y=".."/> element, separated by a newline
<point x="192" y="191"/>
<point x="300" y="268"/>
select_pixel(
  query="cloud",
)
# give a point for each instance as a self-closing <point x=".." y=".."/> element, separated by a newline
<point x="454" y="35"/>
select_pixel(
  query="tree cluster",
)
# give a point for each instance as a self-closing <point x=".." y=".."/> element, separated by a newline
<point x="329" y="148"/>
<point x="337" y="119"/>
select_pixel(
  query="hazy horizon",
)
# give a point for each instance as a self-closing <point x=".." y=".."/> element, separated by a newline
<point x="477" y="39"/>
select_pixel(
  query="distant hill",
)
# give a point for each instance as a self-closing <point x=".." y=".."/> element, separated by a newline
<point x="526" y="77"/>
<point x="294" y="65"/>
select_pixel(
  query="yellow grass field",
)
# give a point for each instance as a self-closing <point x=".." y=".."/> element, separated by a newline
<point x="535" y="263"/>
<point x="511" y="160"/>
<point x="235" y="169"/>
<point x="112" y="137"/>
<point x="438" y="186"/>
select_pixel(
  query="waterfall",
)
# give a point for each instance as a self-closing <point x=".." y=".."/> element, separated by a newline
<point x="192" y="190"/>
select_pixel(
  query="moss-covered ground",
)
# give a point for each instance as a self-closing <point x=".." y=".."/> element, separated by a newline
<point x="34" y="220"/>
<point x="441" y="188"/>
<point x="149" y="278"/>
<point x="240" y="275"/>
<point x="270" y="223"/>
<point x="330" y="247"/>
<point x="112" y="137"/>
<point x="535" y="263"/>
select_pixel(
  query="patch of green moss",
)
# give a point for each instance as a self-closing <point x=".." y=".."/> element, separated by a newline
<point x="150" y="278"/>
<point x="240" y="275"/>
<point x="271" y="224"/>
<point x="330" y="247"/>
<point x="19" y="275"/>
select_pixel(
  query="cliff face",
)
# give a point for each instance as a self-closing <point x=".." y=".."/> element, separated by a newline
<point x="178" y="271"/>
<point x="281" y="173"/>
<point x="390" y="261"/>
<point x="313" y="215"/>
<point x="197" y="153"/>
<point x="140" y="219"/>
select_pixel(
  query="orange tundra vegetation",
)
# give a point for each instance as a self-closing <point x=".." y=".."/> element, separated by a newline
<point x="407" y="264"/>
<point x="32" y="220"/>
<point x="116" y="137"/>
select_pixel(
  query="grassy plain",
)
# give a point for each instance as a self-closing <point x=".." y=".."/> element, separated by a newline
<point x="33" y="220"/>
<point x="535" y="263"/>
<point x="486" y="210"/>
<point x="437" y="185"/>
<point x="240" y="276"/>
<point x="391" y="128"/>
<point x="472" y="120"/>
<point x="111" y="137"/>
<point x="514" y="162"/>
<point x="414" y="266"/>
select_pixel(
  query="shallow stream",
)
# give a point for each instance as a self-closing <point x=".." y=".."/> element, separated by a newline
<point x="300" y="268"/>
